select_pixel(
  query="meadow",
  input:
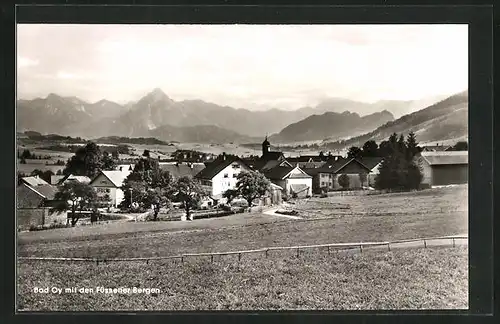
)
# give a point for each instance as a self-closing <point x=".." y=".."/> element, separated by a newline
<point x="397" y="279"/>
<point x="434" y="278"/>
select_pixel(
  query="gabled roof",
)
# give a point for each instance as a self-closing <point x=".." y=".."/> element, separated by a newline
<point x="277" y="173"/>
<point x="214" y="168"/>
<point x="370" y="162"/>
<point x="116" y="177"/>
<point x="337" y="166"/>
<point x="436" y="148"/>
<point x="34" y="181"/>
<point x="306" y="158"/>
<point x="46" y="191"/>
<point x="178" y="170"/>
<point x="446" y="157"/>
<point x="350" y="162"/>
<point x="272" y="155"/>
<point x="81" y="179"/>
<point x="281" y="172"/>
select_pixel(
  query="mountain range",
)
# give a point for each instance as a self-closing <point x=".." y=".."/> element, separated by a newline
<point x="442" y="121"/>
<point x="157" y="115"/>
<point x="331" y="124"/>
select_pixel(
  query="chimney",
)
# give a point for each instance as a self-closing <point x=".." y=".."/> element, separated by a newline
<point x="223" y="156"/>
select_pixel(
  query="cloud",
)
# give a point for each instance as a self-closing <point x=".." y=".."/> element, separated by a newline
<point x="245" y="65"/>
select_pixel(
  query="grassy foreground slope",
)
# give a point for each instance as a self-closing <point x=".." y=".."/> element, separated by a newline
<point x="434" y="278"/>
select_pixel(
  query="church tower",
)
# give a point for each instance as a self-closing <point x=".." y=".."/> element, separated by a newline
<point x="265" y="147"/>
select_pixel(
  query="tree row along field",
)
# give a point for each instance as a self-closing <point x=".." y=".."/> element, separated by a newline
<point x="400" y="279"/>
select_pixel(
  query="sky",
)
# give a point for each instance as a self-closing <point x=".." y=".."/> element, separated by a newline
<point x="244" y="66"/>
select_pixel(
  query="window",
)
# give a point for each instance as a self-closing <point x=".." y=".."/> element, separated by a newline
<point x="236" y="166"/>
<point x="226" y="175"/>
<point x="330" y="176"/>
<point x="322" y="184"/>
<point x="235" y="175"/>
<point x="108" y="190"/>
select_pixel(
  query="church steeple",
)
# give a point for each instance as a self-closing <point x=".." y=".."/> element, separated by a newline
<point x="265" y="147"/>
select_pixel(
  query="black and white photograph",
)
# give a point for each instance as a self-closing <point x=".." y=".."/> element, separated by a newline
<point x="241" y="167"/>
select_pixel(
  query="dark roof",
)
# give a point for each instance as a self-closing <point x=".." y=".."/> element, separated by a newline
<point x="307" y="158"/>
<point x="312" y="171"/>
<point x="336" y="166"/>
<point x="436" y="148"/>
<point x="178" y="170"/>
<point x="277" y="173"/>
<point x="446" y="157"/>
<point x="48" y="191"/>
<point x="370" y="162"/>
<point x="28" y="196"/>
<point x="217" y="166"/>
<point x="272" y="155"/>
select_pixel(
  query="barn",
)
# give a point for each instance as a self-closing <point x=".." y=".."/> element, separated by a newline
<point x="444" y="167"/>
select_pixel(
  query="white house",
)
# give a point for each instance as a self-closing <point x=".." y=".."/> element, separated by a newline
<point x="293" y="180"/>
<point x="109" y="183"/>
<point x="220" y="175"/>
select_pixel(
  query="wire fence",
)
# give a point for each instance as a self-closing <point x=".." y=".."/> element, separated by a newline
<point x="425" y="242"/>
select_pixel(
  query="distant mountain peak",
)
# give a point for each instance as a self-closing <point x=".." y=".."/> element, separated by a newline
<point x="52" y="95"/>
<point x="157" y="95"/>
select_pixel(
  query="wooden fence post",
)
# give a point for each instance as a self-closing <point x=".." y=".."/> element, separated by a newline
<point x="389" y="246"/>
<point x="361" y="248"/>
<point x="266" y="252"/>
<point x="212" y="258"/>
<point x="239" y="256"/>
<point x="425" y="244"/>
<point x="453" y="242"/>
<point x="298" y="252"/>
<point x="328" y="249"/>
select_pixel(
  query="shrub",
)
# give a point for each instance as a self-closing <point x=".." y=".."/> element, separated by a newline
<point x="344" y="181"/>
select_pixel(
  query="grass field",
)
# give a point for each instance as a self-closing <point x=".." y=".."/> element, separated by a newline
<point x="415" y="278"/>
<point x="402" y="279"/>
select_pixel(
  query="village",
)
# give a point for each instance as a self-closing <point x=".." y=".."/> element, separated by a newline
<point x="219" y="190"/>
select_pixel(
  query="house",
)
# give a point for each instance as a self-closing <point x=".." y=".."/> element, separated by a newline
<point x="71" y="177"/>
<point x="372" y="163"/>
<point x="180" y="169"/>
<point x="109" y="183"/>
<point x="33" y="204"/>
<point x="444" y="168"/>
<point x="293" y="180"/>
<point x="33" y="181"/>
<point x="437" y="148"/>
<point x="220" y="175"/>
<point x="326" y="177"/>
